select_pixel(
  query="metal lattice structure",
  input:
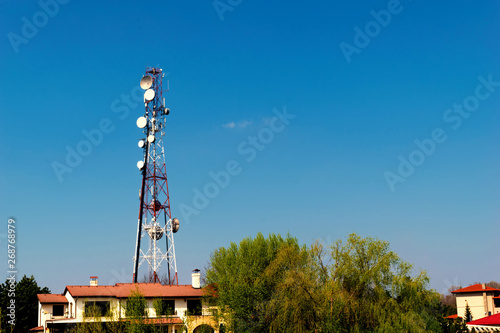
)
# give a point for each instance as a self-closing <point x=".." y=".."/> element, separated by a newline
<point x="155" y="219"/>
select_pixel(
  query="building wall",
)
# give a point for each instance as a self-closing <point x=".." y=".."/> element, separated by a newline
<point x="71" y="303"/>
<point x="480" y="304"/>
<point x="45" y="313"/>
<point x="113" y="302"/>
<point x="118" y="307"/>
<point x="75" y="309"/>
<point x="40" y="314"/>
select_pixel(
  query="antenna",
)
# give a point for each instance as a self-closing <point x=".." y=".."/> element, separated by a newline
<point x="146" y="82"/>
<point x="155" y="218"/>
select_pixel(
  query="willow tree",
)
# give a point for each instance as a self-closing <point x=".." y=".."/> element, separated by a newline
<point x="359" y="285"/>
<point x="238" y="286"/>
<point x="297" y="302"/>
<point x="372" y="289"/>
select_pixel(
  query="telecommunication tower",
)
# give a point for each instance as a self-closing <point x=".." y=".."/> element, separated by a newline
<point x="155" y="219"/>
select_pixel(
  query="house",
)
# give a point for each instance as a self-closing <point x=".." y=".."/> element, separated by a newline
<point x="486" y="324"/>
<point x="180" y="305"/>
<point x="482" y="300"/>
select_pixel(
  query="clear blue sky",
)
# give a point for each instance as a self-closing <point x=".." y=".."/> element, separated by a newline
<point x="357" y="114"/>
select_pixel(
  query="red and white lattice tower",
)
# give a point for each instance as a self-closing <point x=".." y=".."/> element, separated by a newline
<point x="155" y="219"/>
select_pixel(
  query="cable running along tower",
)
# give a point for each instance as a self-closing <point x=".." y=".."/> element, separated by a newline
<point x="155" y="220"/>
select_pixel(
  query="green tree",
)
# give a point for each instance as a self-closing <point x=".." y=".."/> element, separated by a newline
<point x="467" y="314"/>
<point x="238" y="286"/>
<point x="26" y="303"/>
<point x="136" y="312"/>
<point x="372" y="289"/>
<point x="297" y="302"/>
<point x="159" y="307"/>
<point x="359" y="285"/>
<point x="92" y="320"/>
<point x="93" y="323"/>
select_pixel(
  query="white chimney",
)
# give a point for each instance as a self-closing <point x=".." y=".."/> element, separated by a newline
<point x="94" y="281"/>
<point x="195" y="278"/>
<point x="483" y="285"/>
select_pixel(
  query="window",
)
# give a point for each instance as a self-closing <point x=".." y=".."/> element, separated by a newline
<point x="168" y="307"/>
<point x="497" y="302"/>
<point x="194" y="307"/>
<point x="58" y="310"/>
<point x="164" y="307"/>
<point x="96" y="309"/>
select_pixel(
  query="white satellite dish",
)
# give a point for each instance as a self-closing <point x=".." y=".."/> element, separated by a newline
<point x="149" y="95"/>
<point x="155" y="232"/>
<point x="141" y="144"/>
<point x="146" y="82"/>
<point x="151" y="138"/>
<point x="140" y="165"/>
<point x="141" y="122"/>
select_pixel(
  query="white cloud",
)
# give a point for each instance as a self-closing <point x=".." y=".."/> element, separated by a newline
<point x="239" y="124"/>
<point x="244" y="123"/>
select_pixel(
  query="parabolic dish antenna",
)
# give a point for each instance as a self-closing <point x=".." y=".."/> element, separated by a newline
<point x="146" y="82"/>
<point x="141" y="122"/>
<point x="155" y="232"/>
<point x="140" y="165"/>
<point x="149" y="95"/>
<point x="175" y="225"/>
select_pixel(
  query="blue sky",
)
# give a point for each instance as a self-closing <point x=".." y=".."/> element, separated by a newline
<point x="232" y="65"/>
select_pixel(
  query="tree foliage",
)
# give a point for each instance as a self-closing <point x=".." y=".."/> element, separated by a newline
<point x="359" y="285"/>
<point x="136" y="312"/>
<point x="375" y="290"/>
<point x="236" y="276"/>
<point x="467" y="314"/>
<point x="26" y="303"/>
<point x="95" y="320"/>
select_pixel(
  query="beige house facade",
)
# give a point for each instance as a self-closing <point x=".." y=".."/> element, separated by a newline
<point x="483" y="301"/>
<point x="181" y="304"/>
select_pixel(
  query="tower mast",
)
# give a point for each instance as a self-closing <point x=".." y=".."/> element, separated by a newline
<point x="155" y="219"/>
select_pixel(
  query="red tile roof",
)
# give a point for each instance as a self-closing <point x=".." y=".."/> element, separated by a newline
<point x="455" y="316"/>
<point x="164" y="321"/>
<point x="474" y="289"/>
<point x="171" y="320"/>
<point x="52" y="298"/>
<point x="37" y="329"/>
<point x="123" y="290"/>
<point x="493" y="320"/>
